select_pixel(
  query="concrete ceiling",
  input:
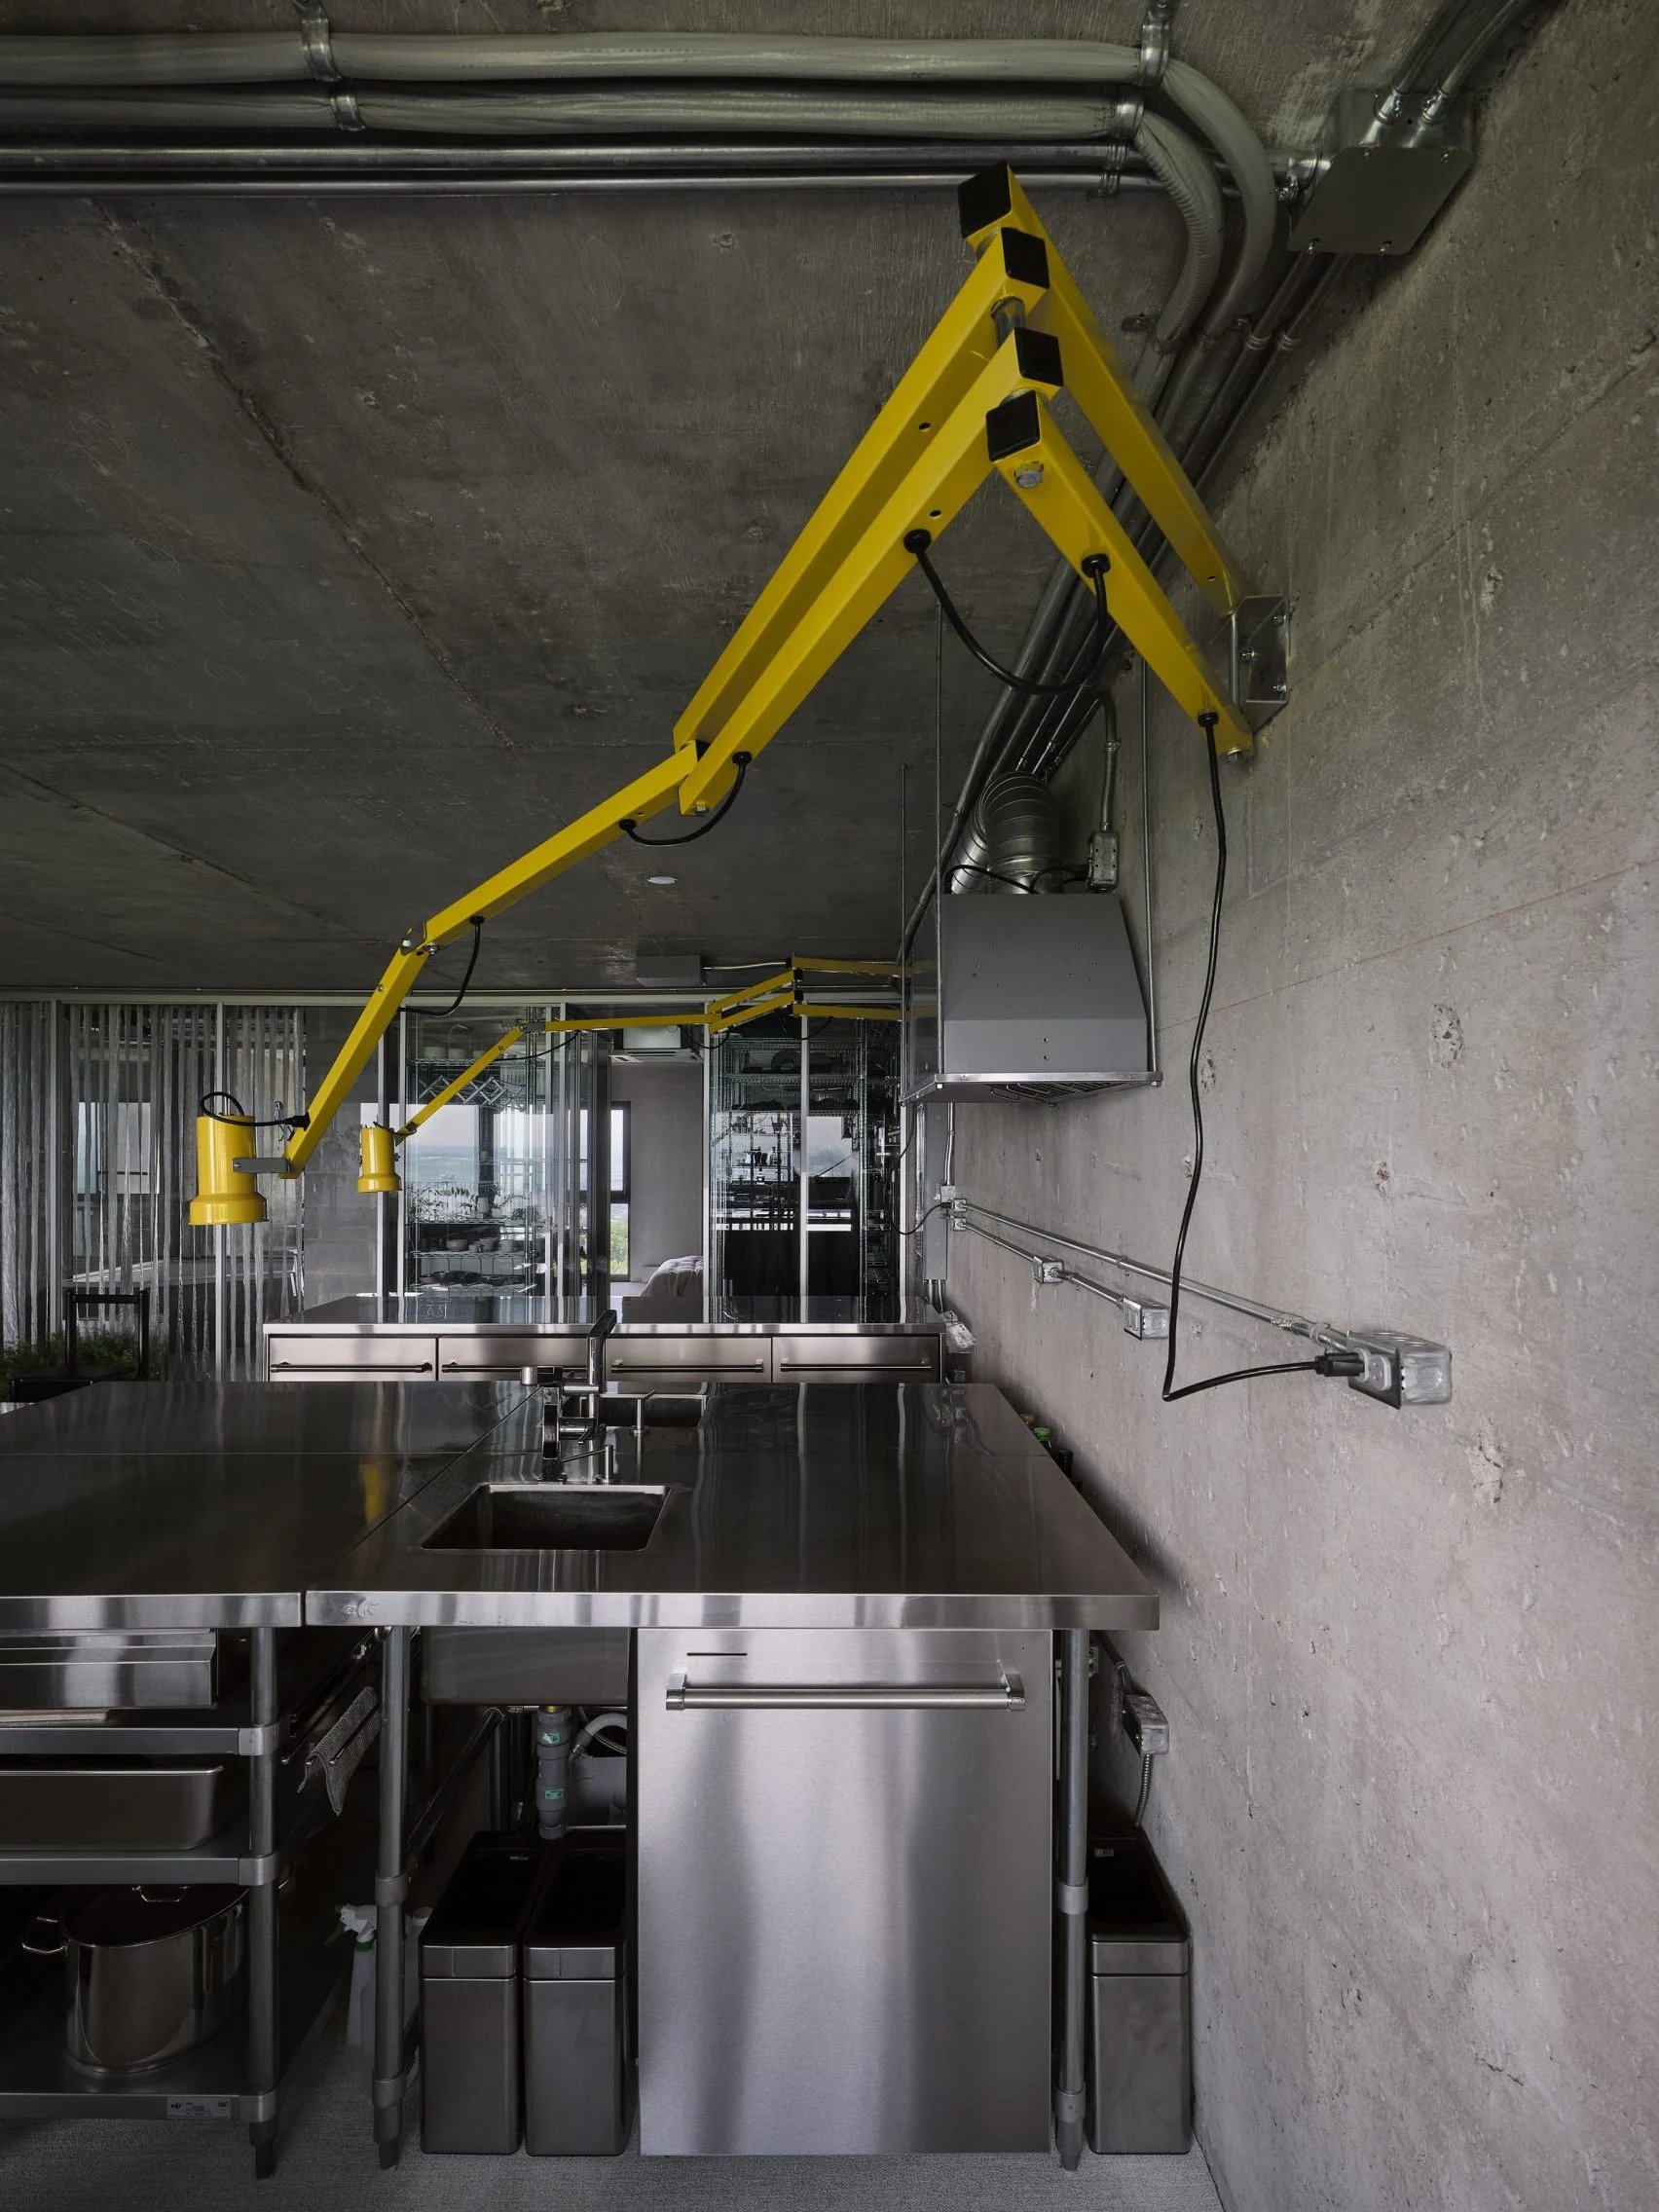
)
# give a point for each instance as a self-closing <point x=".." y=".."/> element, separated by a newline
<point x="352" y="545"/>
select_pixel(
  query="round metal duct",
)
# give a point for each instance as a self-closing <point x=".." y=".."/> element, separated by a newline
<point x="1013" y="842"/>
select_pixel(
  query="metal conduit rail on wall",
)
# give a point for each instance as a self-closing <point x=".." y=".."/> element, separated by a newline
<point x="1422" y="1369"/>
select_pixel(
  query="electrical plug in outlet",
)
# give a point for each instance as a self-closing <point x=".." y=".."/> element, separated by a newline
<point x="1401" y="1371"/>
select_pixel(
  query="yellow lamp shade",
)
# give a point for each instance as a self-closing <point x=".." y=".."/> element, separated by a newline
<point x="227" y="1197"/>
<point x="379" y="1162"/>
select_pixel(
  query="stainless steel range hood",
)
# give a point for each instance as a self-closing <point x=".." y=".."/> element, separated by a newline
<point x="1037" y="998"/>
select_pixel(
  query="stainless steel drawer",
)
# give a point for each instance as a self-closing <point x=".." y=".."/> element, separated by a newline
<point x="62" y="1804"/>
<point x="115" y="1670"/>
<point x="503" y="1358"/>
<point x="312" y="1356"/>
<point x="688" y="1359"/>
<point x="855" y="1359"/>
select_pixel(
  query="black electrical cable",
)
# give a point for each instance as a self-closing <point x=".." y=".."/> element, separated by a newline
<point x="1326" y="1363"/>
<point x="740" y="761"/>
<point x="454" y="1005"/>
<point x="240" y="1113"/>
<point x="1094" y="567"/>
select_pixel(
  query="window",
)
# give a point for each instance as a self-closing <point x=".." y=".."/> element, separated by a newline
<point x="619" y="1177"/>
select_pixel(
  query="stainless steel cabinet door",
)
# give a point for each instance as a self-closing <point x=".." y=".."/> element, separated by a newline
<point x="667" y="1363"/>
<point x="312" y="1356"/>
<point x="845" y="1884"/>
<point x="856" y="1359"/>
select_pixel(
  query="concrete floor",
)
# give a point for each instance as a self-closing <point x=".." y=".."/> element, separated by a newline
<point x="327" y="2164"/>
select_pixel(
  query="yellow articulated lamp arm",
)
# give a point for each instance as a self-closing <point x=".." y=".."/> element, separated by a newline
<point x="975" y="402"/>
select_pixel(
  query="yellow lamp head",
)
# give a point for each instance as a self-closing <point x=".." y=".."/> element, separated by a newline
<point x="379" y="1162"/>
<point x="227" y="1197"/>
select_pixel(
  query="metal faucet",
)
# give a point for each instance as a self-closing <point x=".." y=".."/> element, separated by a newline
<point x="596" y="1336"/>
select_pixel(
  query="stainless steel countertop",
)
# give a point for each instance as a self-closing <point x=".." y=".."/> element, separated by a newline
<point x="885" y="1505"/>
<point x="197" y="1505"/>
<point x="423" y="1312"/>
<point x="876" y="1505"/>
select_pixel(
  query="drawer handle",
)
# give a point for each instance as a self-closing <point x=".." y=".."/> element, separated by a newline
<point x="1004" y="1696"/>
<point x="861" y="1366"/>
<point x="687" y="1366"/>
<point x="513" y="1367"/>
<point x="350" y="1367"/>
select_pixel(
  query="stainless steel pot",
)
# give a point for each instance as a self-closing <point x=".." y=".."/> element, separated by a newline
<point x="151" y="1973"/>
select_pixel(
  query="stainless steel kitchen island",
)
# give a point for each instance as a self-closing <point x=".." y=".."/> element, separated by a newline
<point x="845" y="1608"/>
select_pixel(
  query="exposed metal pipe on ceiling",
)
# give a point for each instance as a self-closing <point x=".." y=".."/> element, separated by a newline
<point x="447" y="184"/>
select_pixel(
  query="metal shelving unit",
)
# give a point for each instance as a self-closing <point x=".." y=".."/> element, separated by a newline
<point x="288" y="1977"/>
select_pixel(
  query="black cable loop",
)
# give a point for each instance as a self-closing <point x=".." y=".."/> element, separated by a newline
<point x="454" y="1004"/>
<point x="239" y="1112"/>
<point x="740" y="761"/>
<point x="1094" y="567"/>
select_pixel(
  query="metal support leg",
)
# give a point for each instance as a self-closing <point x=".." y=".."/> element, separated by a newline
<point x="1073" y="1893"/>
<point x="264" y="1991"/>
<point x="389" y="1887"/>
<point x="502" y="1775"/>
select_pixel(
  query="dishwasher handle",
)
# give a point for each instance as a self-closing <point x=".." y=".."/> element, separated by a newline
<point x="1005" y="1695"/>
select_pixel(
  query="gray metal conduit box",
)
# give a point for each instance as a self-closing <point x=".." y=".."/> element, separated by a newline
<point x="1037" y="997"/>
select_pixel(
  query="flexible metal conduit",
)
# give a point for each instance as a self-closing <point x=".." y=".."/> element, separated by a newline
<point x="964" y="1210"/>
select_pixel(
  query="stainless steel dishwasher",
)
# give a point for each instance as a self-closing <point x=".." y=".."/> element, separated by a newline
<point x="845" y="1890"/>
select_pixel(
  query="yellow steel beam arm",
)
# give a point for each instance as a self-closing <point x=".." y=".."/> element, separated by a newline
<point x="846" y="967"/>
<point x="1034" y="460"/>
<point x="1102" y="387"/>
<point x="453" y="1089"/>
<point x="929" y="494"/>
<point x="646" y="796"/>
<point x="1011" y="267"/>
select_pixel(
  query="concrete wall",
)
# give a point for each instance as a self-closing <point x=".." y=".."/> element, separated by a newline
<point x="1410" y="1658"/>
<point x="666" y="1172"/>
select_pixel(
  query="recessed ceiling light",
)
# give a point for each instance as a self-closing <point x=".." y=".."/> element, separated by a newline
<point x="663" y="882"/>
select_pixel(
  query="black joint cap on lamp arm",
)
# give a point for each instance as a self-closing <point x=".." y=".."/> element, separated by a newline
<point x="1013" y="425"/>
<point x="984" y="197"/>
<point x="1038" y="354"/>
<point x="1024" y="257"/>
<point x="1096" y="564"/>
<point x="917" y="540"/>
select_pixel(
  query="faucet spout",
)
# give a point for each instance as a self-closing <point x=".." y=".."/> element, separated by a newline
<point x="596" y="1336"/>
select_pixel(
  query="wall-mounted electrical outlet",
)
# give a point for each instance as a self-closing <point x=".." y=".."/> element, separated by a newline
<point x="1144" y="1723"/>
<point x="1401" y="1371"/>
<point x="1143" y="1317"/>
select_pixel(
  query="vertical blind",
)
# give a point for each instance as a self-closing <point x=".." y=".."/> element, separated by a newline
<point x="97" y="1164"/>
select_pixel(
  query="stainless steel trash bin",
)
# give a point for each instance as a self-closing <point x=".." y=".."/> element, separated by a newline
<point x="1140" y="2043"/>
<point x="574" y="1994"/>
<point x="470" y="2091"/>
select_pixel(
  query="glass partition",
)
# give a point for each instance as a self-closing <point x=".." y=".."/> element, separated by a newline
<point x="477" y="1180"/>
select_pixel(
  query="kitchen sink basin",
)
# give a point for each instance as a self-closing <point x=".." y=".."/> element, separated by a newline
<point x="551" y="1517"/>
